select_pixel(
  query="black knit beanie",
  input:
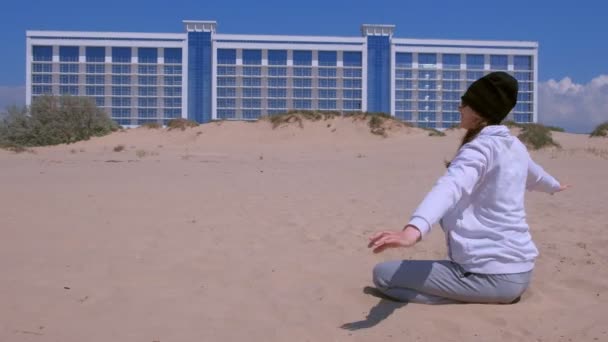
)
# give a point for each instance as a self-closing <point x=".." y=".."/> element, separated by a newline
<point x="492" y="96"/>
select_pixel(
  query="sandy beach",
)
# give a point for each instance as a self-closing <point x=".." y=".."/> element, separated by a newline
<point x="235" y="231"/>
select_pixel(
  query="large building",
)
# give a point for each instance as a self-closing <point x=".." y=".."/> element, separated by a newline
<point x="203" y="75"/>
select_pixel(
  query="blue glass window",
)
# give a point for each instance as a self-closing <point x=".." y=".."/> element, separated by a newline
<point x="327" y="83"/>
<point x="68" y="53"/>
<point x="223" y="81"/>
<point x="302" y="57"/>
<point x="351" y="105"/>
<point x="252" y="103"/>
<point x="226" y="70"/>
<point x="522" y="62"/>
<point x="173" y="56"/>
<point x="147" y="91"/>
<point x="302" y="104"/>
<point x="352" y="83"/>
<point x="95" y="79"/>
<point x="121" y="79"/>
<point x="327" y="93"/>
<point x="252" y="114"/>
<point x="302" y="71"/>
<point x="277" y="71"/>
<point x="42" y="53"/>
<point x="147" y="55"/>
<point x="327" y="72"/>
<point x="277" y="57"/>
<point x="121" y="102"/>
<point x="327" y="104"/>
<point x="68" y="79"/>
<point x="277" y="92"/>
<point x="352" y="58"/>
<point x="146" y="102"/>
<point x="226" y="92"/>
<point x="351" y="94"/>
<point x="277" y="103"/>
<point x="226" y="114"/>
<point x="121" y="91"/>
<point x="403" y="60"/>
<point x="93" y="90"/>
<point x="42" y="79"/>
<point x="147" y="80"/>
<point x="498" y="62"/>
<point x="427" y="60"/>
<point x="302" y="82"/>
<point x="475" y="61"/>
<point x="42" y="89"/>
<point x="252" y="71"/>
<point x="403" y="73"/>
<point x="226" y="56"/>
<point x="226" y="103"/>
<point x="68" y="68"/>
<point x="95" y="54"/>
<point x="68" y="90"/>
<point x="405" y="116"/>
<point x="173" y="91"/>
<point x="121" y="112"/>
<point x="451" y="61"/>
<point x="451" y="75"/>
<point x="277" y="82"/>
<point x="302" y="93"/>
<point x="173" y="80"/>
<point x="403" y="94"/>
<point x="252" y="82"/>
<point x="121" y="55"/>
<point x="95" y="68"/>
<point x="172" y="102"/>
<point x="121" y="69"/>
<point x="38" y="67"/>
<point x="252" y="92"/>
<point x="328" y="58"/>
<point x="252" y="57"/>
<point x="172" y="113"/>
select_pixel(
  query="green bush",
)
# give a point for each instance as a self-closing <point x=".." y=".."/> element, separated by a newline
<point x="181" y="124"/>
<point x="600" y="131"/>
<point x="54" y="120"/>
<point x="537" y="136"/>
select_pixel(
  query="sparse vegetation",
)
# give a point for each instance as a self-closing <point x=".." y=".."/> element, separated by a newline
<point x="537" y="136"/>
<point x="119" y="148"/>
<point x="299" y="116"/>
<point x="141" y="153"/>
<point x="434" y="133"/>
<point x="181" y="124"/>
<point x="600" y="131"/>
<point x="53" y="120"/>
<point x="151" y="125"/>
<point x="511" y="124"/>
<point x="598" y="152"/>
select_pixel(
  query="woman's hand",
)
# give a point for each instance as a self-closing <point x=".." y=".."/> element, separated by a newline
<point x="392" y="239"/>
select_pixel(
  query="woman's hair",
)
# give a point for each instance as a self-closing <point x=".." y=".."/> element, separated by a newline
<point x="471" y="133"/>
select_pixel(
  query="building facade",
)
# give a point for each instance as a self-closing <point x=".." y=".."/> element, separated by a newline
<point x="203" y="75"/>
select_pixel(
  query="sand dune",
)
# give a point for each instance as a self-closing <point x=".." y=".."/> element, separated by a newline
<point x="235" y="231"/>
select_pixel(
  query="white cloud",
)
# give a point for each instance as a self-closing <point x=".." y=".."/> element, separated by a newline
<point x="576" y="107"/>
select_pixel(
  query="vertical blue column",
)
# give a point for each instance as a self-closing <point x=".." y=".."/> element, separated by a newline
<point x="199" y="76"/>
<point x="379" y="74"/>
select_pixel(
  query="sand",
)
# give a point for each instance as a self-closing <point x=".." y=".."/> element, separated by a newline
<point x="235" y="231"/>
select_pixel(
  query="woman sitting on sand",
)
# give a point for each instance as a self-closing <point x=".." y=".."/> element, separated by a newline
<point x="479" y="203"/>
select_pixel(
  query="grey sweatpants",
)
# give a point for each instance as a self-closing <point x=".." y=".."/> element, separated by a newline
<point x="445" y="282"/>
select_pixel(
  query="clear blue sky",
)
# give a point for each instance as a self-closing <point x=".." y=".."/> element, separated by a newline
<point x="571" y="34"/>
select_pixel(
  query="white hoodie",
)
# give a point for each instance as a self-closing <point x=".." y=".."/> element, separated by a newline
<point x="480" y="201"/>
